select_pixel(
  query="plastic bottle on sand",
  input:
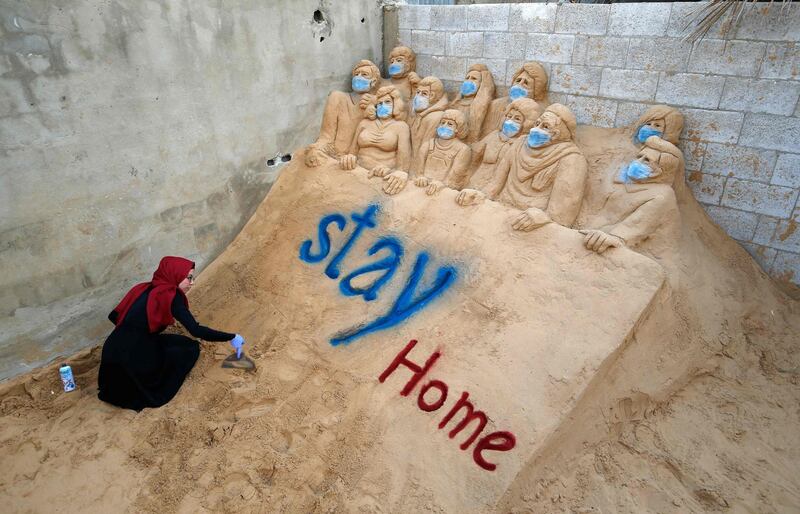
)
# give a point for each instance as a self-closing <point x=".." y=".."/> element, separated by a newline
<point x="67" y="378"/>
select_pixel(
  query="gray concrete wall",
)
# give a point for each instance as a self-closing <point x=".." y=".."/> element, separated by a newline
<point x="739" y="92"/>
<point x="135" y="129"/>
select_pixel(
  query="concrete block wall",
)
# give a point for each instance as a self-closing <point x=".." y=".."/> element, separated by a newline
<point x="739" y="92"/>
<point x="135" y="129"/>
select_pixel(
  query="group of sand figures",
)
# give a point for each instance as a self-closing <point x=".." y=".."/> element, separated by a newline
<point x="514" y="149"/>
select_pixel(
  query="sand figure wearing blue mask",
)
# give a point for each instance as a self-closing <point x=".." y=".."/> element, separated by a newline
<point x="475" y="95"/>
<point x="637" y="206"/>
<point x="382" y="141"/>
<point x="519" y="117"/>
<point x="429" y="104"/>
<point x="529" y="81"/>
<point x="663" y="121"/>
<point x="443" y="161"/>
<point x="544" y="176"/>
<point x="343" y="111"/>
<point x="402" y="73"/>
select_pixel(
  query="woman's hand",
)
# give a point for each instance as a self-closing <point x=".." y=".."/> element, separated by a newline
<point x="237" y="342"/>
<point x="470" y="197"/>
<point x="378" y="171"/>
<point x="394" y="182"/>
<point x="422" y="181"/>
<point x="347" y="162"/>
<point x="434" y="187"/>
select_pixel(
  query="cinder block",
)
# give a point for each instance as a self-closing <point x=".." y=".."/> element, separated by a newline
<point x="683" y="17"/>
<point x="639" y="19"/>
<point x="658" y="54"/>
<point x="465" y="44"/>
<point x="581" y="80"/>
<point x="707" y="189"/>
<point x="712" y="126"/>
<point x="496" y="66"/>
<point x="763" y="255"/>
<point x="424" y="65"/>
<point x="404" y="37"/>
<point x="787" y="236"/>
<point x="765" y="229"/>
<point x="582" y="18"/>
<point x="550" y="48"/>
<point x="764" y="96"/>
<point x="592" y="111"/>
<point x="759" y="198"/>
<point x="787" y="170"/>
<point x="504" y="45"/>
<point x="428" y="42"/>
<point x="487" y="17"/>
<point x="770" y="22"/>
<point x="448" y="68"/>
<point x="694" y="153"/>
<point x="737" y="224"/>
<point x="741" y="58"/>
<point x="739" y="162"/>
<point x="628" y="113"/>
<point x="770" y="131"/>
<point x="786" y="266"/>
<point x="600" y="51"/>
<point x="417" y="17"/>
<point x="782" y="61"/>
<point x="629" y="84"/>
<point x="448" y="17"/>
<point x="690" y="89"/>
<point x="532" y="17"/>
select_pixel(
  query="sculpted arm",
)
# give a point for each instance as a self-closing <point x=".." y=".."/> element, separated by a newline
<point x="478" y="150"/>
<point x="646" y="218"/>
<point x="403" y="148"/>
<point x="348" y="162"/>
<point x="419" y="164"/>
<point x="567" y="195"/>
<point x="458" y="176"/>
<point x="500" y="175"/>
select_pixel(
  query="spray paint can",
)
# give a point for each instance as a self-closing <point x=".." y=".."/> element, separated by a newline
<point x="67" y="378"/>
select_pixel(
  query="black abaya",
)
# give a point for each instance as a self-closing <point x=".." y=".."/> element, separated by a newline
<point x="141" y="369"/>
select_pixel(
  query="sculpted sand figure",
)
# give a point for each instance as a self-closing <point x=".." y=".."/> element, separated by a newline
<point x="529" y="81"/>
<point x="430" y="102"/>
<point x="474" y="97"/>
<point x="638" y="203"/>
<point x="665" y="122"/>
<point x="382" y="141"/>
<point x="518" y="118"/>
<point x="443" y="161"/>
<point x="544" y="174"/>
<point x="402" y="72"/>
<point x="343" y="112"/>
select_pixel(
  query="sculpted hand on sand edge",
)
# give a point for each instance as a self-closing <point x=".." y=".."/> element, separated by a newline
<point x="443" y="161"/>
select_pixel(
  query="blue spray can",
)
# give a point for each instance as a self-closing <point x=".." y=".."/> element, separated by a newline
<point x="67" y="378"/>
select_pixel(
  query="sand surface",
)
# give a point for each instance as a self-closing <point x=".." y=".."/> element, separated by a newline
<point x="666" y="383"/>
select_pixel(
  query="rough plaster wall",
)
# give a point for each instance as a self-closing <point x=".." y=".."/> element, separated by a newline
<point x="739" y="92"/>
<point x="135" y="129"/>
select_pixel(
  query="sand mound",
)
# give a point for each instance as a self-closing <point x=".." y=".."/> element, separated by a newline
<point x="611" y="382"/>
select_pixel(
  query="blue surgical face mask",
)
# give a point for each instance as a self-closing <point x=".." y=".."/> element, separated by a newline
<point x="421" y="102"/>
<point x="511" y="128"/>
<point x="468" y="88"/>
<point x="360" y="84"/>
<point x="646" y="131"/>
<point x="636" y="170"/>
<point x="383" y="110"/>
<point x="516" y="92"/>
<point x="396" y="68"/>
<point x="538" y="137"/>
<point x="445" y="132"/>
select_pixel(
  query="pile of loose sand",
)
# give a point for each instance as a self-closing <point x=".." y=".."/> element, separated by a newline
<point x="629" y="386"/>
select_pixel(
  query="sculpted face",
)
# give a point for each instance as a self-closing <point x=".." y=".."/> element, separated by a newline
<point x="446" y="129"/>
<point x="657" y="124"/>
<point x="524" y="80"/>
<point x="384" y="107"/>
<point x="515" y="115"/>
<point x="425" y="91"/>
<point x="550" y="123"/>
<point x="474" y="76"/>
<point x="397" y="65"/>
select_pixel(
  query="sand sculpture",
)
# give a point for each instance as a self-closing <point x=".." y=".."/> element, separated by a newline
<point x="443" y="161"/>
<point x="638" y="203"/>
<point x="544" y="174"/>
<point x="429" y="103"/>
<point x="529" y="81"/>
<point x="342" y="114"/>
<point x="518" y="119"/>
<point x="665" y="122"/>
<point x="402" y="72"/>
<point x="473" y="99"/>
<point x="382" y="141"/>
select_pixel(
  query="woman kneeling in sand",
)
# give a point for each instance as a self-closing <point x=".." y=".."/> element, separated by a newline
<point x="140" y="367"/>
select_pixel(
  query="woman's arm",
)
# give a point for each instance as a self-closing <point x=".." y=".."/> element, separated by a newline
<point x="403" y="158"/>
<point x="182" y="314"/>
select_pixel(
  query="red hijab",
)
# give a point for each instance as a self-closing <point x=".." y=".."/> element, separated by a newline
<point x="171" y="272"/>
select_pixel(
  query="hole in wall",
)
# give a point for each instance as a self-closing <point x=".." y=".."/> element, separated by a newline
<point x="286" y="158"/>
<point x="362" y="20"/>
<point x="321" y="39"/>
<point x="279" y="159"/>
<point x="318" y="16"/>
<point x="270" y="162"/>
